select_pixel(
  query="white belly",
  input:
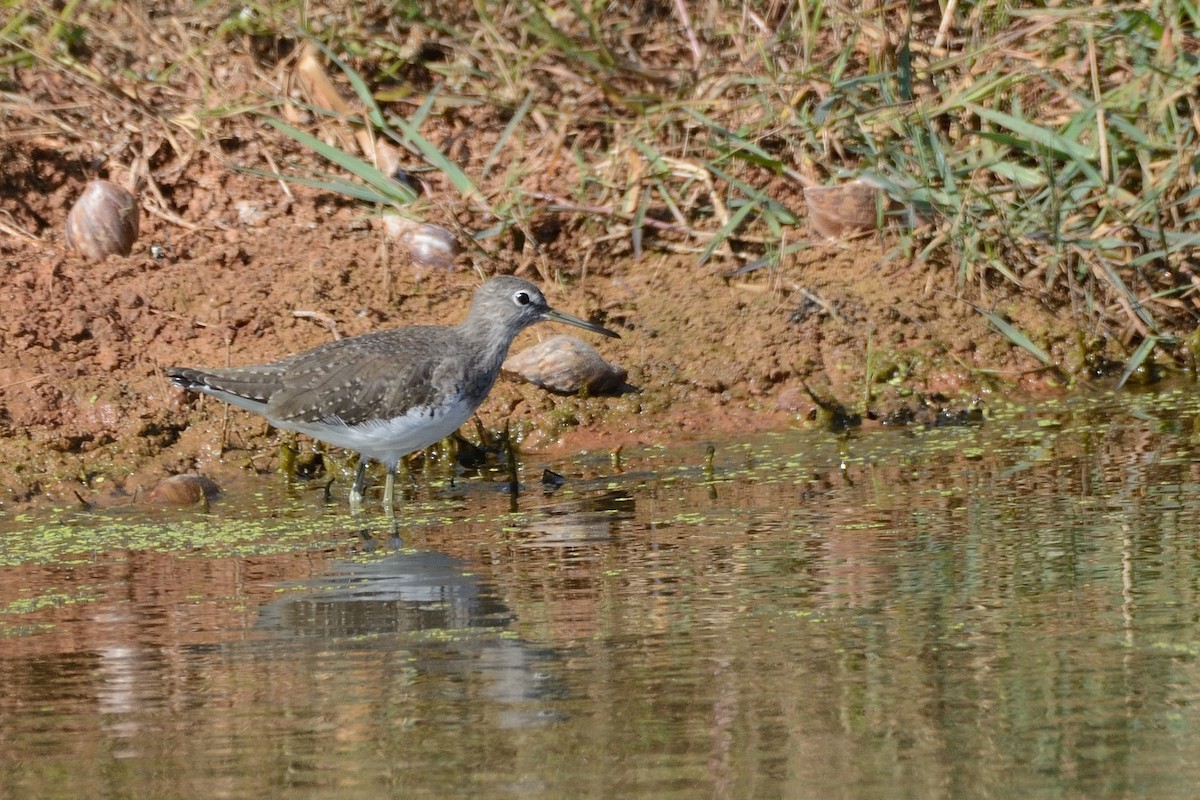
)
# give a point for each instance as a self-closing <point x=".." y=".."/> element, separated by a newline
<point x="389" y="440"/>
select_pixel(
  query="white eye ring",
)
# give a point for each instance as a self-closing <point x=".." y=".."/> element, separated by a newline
<point x="522" y="298"/>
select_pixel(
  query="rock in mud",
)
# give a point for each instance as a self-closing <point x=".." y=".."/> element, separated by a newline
<point x="183" y="490"/>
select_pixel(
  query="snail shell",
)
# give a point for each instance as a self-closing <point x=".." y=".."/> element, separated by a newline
<point x="103" y="221"/>
<point x="183" y="490"/>
<point x="430" y="246"/>
<point x="835" y="211"/>
<point x="566" y="364"/>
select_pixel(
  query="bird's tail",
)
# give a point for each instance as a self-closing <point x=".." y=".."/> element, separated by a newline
<point x="184" y="378"/>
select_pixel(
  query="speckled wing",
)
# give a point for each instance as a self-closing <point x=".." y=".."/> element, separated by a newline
<point x="376" y="376"/>
<point x="247" y="387"/>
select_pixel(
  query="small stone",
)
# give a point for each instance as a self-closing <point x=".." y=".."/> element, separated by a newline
<point x="251" y="213"/>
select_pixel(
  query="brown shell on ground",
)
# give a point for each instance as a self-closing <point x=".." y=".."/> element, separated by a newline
<point x="183" y="490"/>
<point x="103" y="221"/>
<point x="835" y="211"/>
<point x="430" y="246"/>
<point x="566" y="364"/>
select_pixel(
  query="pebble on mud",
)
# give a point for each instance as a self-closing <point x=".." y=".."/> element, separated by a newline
<point x="183" y="490"/>
<point x="103" y="221"/>
<point x="566" y="364"/>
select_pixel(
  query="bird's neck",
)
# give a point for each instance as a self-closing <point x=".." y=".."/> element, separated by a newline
<point x="489" y="340"/>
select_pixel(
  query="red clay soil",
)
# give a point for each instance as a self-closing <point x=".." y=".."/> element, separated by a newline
<point x="84" y="407"/>
<point x="226" y="260"/>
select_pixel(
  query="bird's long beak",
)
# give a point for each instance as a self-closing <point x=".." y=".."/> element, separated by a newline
<point x="559" y="316"/>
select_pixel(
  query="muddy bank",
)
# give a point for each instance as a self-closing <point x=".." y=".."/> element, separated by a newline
<point x="84" y="408"/>
<point x="234" y="268"/>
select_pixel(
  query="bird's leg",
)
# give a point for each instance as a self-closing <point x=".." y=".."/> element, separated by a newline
<point x="360" y="483"/>
<point x="388" y="489"/>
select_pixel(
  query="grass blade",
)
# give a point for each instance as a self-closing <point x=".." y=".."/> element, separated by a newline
<point x="1016" y="337"/>
<point x="506" y="134"/>
<point x="410" y="135"/>
<point x="333" y="184"/>
<point x="1036" y="134"/>
<point x="390" y="191"/>
<point x="1137" y="359"/>
<point x="466" y="187"/>
<point x="728" y="229"/>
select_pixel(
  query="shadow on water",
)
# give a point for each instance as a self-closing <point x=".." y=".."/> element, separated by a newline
<point x="1004" y="610"/>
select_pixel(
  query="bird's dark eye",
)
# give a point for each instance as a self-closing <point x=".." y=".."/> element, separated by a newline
<point x="522" y="298"/>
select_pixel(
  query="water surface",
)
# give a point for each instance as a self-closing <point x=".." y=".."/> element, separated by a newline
<point x="1004" y="610"/>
